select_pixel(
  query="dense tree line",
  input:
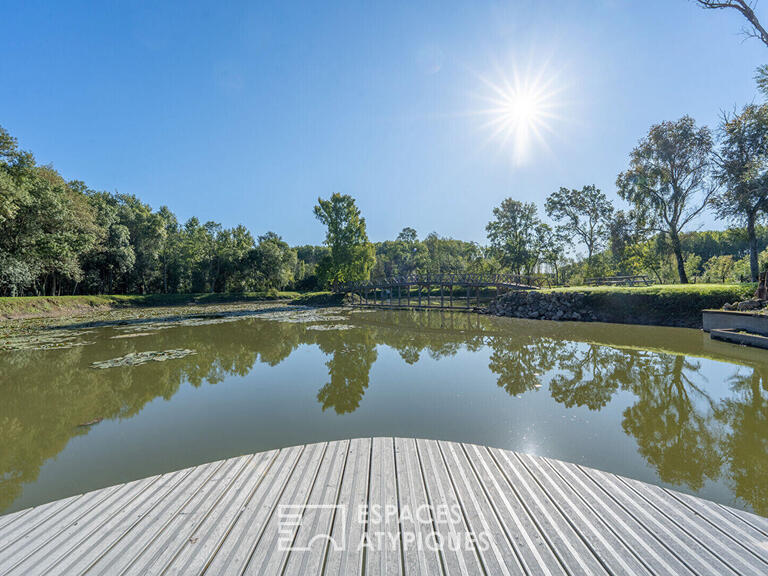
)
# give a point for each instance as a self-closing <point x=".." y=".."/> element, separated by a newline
<point x="59" y="237"/>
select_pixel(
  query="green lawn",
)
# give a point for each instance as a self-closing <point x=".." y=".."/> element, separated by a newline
<point x="737" y="291"/>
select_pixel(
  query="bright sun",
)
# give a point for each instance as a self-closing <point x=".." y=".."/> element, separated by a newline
<point x="521" y="111"/>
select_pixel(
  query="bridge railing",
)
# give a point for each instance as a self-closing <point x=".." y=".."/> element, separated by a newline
<point x="532" y="281"/>
<point x="637" y="280"/>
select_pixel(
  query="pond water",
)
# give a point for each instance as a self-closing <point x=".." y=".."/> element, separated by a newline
<point x="663" y="405"/>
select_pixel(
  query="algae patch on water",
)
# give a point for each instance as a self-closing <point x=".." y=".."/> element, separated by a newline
<point x="54" y="340"/>
<point x="132" y="335"/>
<point x="138" y="358"/>
<point x="303" y="315"/>
<point x="329" y="327"/>
<point x="135" y="323"/>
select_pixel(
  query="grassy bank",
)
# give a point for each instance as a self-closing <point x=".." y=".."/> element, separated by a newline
<point x="76" y="306"/>
<point x="737" y="291"/>
<point x="663" y="305"/>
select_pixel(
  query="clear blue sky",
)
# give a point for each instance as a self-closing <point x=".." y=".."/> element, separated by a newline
<point x="246" y="112"/>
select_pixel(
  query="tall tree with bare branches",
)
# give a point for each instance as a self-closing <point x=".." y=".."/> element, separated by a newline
<point x="755" y="30"/>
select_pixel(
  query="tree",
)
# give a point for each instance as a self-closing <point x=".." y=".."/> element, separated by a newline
<point x="692" y="265"/>
<point x="399" y="258"/>
<point x="112" y="256"/>
<point x="512" y="234"/>
<point x="669" y="179"/>
<point x="274" y="262"/>
<point x="628" y="235"/>
<point x="584" y="214"/>
<point x="408" y="235"/>
<point x="50" y="232"/>
<point x="718" y="268"/>
<point x="169" y="254"/>
<point x="742" y="169"/>
<point x="15" y="176"/>
<point x="741" y="6"/>
<point x="553" y="249"/>
<point x="352" y="255"/>
<point x="193" y="256"/>
<point x="447" y="255"/>
<point x="148" y="233"/>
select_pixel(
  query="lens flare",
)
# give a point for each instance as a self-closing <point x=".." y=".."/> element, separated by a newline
<point x="522" y="110"/>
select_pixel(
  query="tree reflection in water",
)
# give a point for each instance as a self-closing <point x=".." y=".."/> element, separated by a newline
<point x="745" y="445"/>
<point x="676" y="434"/>
<point x="681" y="430"/>
<point x="589" y="374"/>
<point x="349" y="367"/>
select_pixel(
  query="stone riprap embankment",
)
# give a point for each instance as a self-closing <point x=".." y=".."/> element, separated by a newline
<point x="544" y="306"/>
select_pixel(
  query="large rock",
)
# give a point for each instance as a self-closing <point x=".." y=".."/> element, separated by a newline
<point x="753" y="304"/>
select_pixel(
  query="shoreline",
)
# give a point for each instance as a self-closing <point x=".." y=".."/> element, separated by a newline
<point x="68" y="312"/>
<point x="662" y="305"/>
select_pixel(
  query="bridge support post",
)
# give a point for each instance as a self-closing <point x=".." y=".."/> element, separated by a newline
<point x="450" y="294"/>
<point x="469" y="294"/>
<point x="429" y="294"/>
<point x="442" y="303"/>
<point x="419" y="289"/>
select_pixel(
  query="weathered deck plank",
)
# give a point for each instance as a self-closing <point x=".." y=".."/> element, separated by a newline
<point x="590" y="527"/>
<point x="493" y="511"/>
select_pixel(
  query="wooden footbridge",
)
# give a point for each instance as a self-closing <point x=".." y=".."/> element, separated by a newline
<point x="436" y="290"/>
<point x="384" y="506"/>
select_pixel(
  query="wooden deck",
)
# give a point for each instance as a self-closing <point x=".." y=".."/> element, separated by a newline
<point x="433" y="508"/>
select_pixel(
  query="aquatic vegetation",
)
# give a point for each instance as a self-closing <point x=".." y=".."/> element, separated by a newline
<point x="56" y="339"/>
<point x="138" y="358"/>
<point x="131" y="335"/>
<point x="323" y="327"/>
<point x="43" y="334"/>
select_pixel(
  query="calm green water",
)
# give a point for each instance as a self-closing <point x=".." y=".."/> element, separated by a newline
<point x="663" y="405"/>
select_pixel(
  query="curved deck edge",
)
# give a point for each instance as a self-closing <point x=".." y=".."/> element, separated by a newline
<point x="384" y="506"/>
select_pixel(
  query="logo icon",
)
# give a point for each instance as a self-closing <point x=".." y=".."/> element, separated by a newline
<point x="313" y="518"/>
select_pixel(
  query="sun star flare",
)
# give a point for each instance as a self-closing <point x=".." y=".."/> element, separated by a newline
<point x="522" y="110"/>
